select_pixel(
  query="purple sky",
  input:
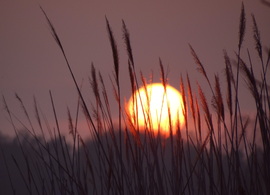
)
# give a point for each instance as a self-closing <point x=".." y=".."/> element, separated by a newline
<point x="31" y="62"/>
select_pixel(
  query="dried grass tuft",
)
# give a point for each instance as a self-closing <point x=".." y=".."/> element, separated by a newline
<point x="242" y="26"/>
<point x="257" y="37"/>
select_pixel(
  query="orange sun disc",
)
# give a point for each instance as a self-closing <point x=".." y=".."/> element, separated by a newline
<point x="156" y="108"/>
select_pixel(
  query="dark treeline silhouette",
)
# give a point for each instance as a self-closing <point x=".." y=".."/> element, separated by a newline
<point x="30" y="165"/>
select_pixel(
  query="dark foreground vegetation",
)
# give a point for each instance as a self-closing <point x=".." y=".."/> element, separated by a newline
<point x="218" y="157"/>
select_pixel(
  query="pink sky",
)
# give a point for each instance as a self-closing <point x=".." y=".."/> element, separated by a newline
<point x="32" y="64"/>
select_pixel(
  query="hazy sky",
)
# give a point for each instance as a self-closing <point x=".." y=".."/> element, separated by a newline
<point x="31" y="63"/>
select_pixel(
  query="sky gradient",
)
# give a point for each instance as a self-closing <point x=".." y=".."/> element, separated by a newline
<point x="31" y="63"/>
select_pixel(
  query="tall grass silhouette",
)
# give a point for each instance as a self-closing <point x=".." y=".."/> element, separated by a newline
<point x="216" y="158"/>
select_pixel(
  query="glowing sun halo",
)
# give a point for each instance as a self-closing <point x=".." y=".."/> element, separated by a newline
<point x="149" y="108"/>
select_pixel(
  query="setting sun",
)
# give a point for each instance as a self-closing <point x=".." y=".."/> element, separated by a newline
<point x="152" y="107"/>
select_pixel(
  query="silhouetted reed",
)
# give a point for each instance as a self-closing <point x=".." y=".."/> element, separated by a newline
<point x="210" y="154"/>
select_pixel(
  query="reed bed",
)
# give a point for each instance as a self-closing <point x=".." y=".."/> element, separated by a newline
<point x="210" y="154"/>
